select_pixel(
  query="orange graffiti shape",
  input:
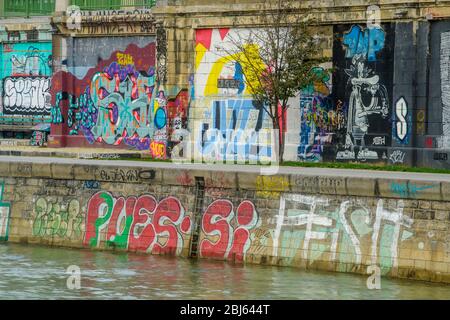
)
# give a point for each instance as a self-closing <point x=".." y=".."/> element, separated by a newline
<point x="158" y="149"/>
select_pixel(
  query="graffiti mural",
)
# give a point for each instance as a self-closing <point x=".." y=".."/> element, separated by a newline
<point x="363" y="81"/>
<point x="27" y="59"/>
<point x="5" y="212"/>
<point x="226" y="232"/>
<point x="26" y="95"/>
<point x="314" y="228"/>
<point x="25" y="71"/>
<point x="115" y="100"/>
<point x="136" y="223"/>
<point x="112" y="98"/>
<point x="322" y="120"/>
<point x="233" y="126"/>
<point x="57" y="220"/>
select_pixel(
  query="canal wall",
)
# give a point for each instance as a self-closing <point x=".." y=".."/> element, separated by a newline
<point x="323" y="222"/>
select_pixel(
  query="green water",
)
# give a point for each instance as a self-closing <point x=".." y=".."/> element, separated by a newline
<point x="35" y="272"/>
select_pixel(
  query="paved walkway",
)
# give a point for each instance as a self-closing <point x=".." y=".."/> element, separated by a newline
<point x="68" y="152"/>
<point x="241" y="168"/>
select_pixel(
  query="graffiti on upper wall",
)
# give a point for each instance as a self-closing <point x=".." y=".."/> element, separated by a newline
<point x="402" y="121"/>
<point x="117" y="102"/>
<point x="226" y="232"/>
<point x="140" y="224"/>
<point x="233" y="126"/>
<point x="313" y="228"/>
<point x="26" y="69"/>
<point x="5" y="212"/>
<point x="321" y="118"/>
<point x="53" y="219"/>
<point x="27" y="59"/>
<point x="363" y="80"/>
<point x="271" y="187"/>
<point x="364" y="41"/>
<point x="26" y="95"/>
<point x="117" y="21"/>
<point x="445" y="85"/>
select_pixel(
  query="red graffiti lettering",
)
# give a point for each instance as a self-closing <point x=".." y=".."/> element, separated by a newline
<point x="136" y="224"/>
<point x="222" y="240"/>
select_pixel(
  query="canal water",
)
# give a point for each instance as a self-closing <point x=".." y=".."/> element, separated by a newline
<point x="35" y="272"/>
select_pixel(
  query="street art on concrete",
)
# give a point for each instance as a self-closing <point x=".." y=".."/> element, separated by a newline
<point x="229" y="125"/>
<point x="322" y="120"/>
<point x="54" y="219"/>
<point x="334" y="232"/>
<point x="232" y="239"/>
<point x="313" y="228"/>
<point x="115" y="100"/>
<point x="140" y="224"/>
<point x="350" y="120"/>
<point x="368" y="99"/>
<point x="25" y="71"/>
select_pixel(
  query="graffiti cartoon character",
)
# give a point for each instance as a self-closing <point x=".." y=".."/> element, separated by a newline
<point x="367" y="97"/>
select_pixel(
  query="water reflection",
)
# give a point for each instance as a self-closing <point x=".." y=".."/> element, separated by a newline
<point x="34" y="272"/>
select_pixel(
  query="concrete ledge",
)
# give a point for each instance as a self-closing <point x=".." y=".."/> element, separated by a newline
<point x="41" y="170"/>
<point x="21" y="169"/>
<point x="62" y="171"/>
<point x="361" y="187"/>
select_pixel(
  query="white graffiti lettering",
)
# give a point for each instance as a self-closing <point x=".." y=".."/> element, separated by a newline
<point x="397" y="157"/>
<point x="26" y="95"/>
<point x="401" y="111"/>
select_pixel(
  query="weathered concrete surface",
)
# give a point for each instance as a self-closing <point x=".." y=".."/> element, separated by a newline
<point x="334" y="220"/>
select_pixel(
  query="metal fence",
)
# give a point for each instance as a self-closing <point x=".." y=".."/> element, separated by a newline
<point x="20" y="8"/>
<point x="113" y="4"/>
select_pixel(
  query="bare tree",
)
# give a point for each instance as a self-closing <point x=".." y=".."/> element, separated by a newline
<point x="277" y="55"/>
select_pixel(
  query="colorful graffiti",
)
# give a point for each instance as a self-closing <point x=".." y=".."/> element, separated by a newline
<point x="26" y="69"/>
<point x="224" y="239"/>
<point x="321" y="118"/>
<point x="367" y="42"/>
<point x="5" y="212"/>
<point x="116" y="102"/>
<point x="53" y="219"/>
<point x="136" y="223"/>
<point x="233" y="126"/>
<point x="27" y="59"/>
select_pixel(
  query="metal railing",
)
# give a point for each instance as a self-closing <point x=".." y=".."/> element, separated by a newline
<point x="27" y="8"/>
<point x="113" y="4"/>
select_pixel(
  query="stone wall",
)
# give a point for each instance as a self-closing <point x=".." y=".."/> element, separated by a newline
<point x="314" y="222"/>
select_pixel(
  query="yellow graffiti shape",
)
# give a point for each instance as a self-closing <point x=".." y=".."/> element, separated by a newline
<point x="252" y="66"/>
<point x="124" y="59"/>
<point x="270" y="187"/>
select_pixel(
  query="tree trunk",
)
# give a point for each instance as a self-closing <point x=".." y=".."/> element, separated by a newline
<point x="280" y="146"/>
